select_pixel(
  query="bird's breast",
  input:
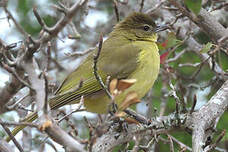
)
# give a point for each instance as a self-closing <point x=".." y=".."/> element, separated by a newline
<point x="147" y="70"/>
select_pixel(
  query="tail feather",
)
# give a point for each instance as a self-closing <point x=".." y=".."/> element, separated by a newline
<point x="57" y="102"/>
<point x="30" y="118"/>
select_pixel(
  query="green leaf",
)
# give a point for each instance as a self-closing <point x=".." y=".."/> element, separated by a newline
<point x="171" y="41"/>
<point x="194" y="5"/>
<point x="206" y="48"/>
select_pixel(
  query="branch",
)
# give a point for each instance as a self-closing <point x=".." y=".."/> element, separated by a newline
<point x="158" y="125"/>
<point x="4" y="146"/>
<point x="53" y="31"/>
<point x="18" y="124"/>
<point x="39" y="85"/>
<point x="192" y="44"/>
<point x="18" y="26"/>
<point x="14" y="85"/>
<point x="95" y="60"/>
<point x="208" y="116"/>
<point x="180" y="143"/>
<point x="205" y="21"/>
<point x="198" y="121"/>
<point x="116" y="10"/>
<point x="13" y="138"/>
<point x="62" y="138"/>
<point x="213" y="146"/>
<point x="9" y="90"/>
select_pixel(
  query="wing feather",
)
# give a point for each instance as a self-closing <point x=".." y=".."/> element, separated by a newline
<point x="117" y="62"/>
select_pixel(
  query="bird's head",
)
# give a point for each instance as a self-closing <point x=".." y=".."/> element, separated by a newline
<point x="139" y="26"/>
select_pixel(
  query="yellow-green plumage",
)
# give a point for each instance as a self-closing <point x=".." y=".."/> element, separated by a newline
<point x="130" y="52"/>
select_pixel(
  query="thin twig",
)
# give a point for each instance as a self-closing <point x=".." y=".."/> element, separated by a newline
<point x="18" y="124"/>
<point x="116" y="10"/>
<point x="189" y="64"/>
<point x="60" y="9"/>
<point x="14" y="73"/>
<point x="75" y="110"/>
<point x="180" y="143"/>
<point x="141" y="5"/>
<point x="92" y="137"/>
<point x="199" y="69"/>
<point x="170" y="144"/>
<point x="150" y="143"/>
<point x="95" y="59"/>
<point x="13" y="138"/>
<point x="178" y="16"/>
<point x="75" y="35"/>
<point x="77" y="54"/>
<point x="219" y="7"/>
<point x="46" y="105"/>
<point x="213" y="146"/>
<point x="176" y="57"/>
<point x="157" y="6"/>
<point x="13" y="106"/>
<point x="194" y="104"/>
<point x="137" y="140"/>
<point x="10" y="16"/>
<point x="39" y="19"/>
<point x="48" y="54"/>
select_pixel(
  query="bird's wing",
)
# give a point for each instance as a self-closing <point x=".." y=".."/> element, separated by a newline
<point x="68" y="92"/>
<point x="120" y="63"/>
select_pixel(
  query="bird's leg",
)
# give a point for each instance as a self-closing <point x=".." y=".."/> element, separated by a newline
<point x="113" y="108"/>
<point x="119" y="124"/>
<point x="112" y="86"/>
<point x="117" y="87"/>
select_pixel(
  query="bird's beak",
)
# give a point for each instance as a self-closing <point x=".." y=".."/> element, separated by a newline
<point x="161" y="28"/>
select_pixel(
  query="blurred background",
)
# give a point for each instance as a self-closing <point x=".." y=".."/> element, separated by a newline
<point x="180" y="65"/>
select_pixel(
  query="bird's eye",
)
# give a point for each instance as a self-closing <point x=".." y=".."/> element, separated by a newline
<point x="146" y="28"/>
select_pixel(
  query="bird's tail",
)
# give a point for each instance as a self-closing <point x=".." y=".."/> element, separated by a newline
<point x="30" y="118"/>
<point x="55" y="103"/>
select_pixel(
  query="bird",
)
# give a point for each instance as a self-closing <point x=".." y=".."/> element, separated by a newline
<point x="130" y="52"/>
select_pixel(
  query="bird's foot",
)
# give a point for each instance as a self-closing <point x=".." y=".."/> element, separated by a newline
<point x="119" y="124"/>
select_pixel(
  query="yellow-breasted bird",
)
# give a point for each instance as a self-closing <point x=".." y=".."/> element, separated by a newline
<point x="130" y="52"/>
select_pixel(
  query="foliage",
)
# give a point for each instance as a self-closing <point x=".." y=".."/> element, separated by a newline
<point x="188" y="73"/>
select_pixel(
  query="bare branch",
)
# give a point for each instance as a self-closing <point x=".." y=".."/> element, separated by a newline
<point x="171" y="144"/>
<point x="96" y="57"/>
<point x="205" y="21"/>
<point x="208" y="116"/>
<point x="5" y="147"/>
<point x="180" y="143"/>
<point x="194" y="104"/>
<point x="116" y="10"/>
<point x="13" y="138"/>
<point x="141" y="5"/>
<point x="61" y="137"/>
<point x="19" y="124"/>
<point x="213" y="146"/>
<point x="53" y="31"/>
<point x="39" y="19"/>
<point x="159" y="125"/>
<point x="10" y="16"/>
<point x="12" y="87"/>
